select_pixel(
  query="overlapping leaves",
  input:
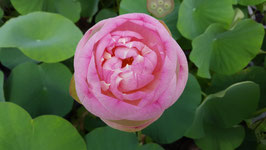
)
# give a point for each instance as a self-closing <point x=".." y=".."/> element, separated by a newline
<point x="18" y="131"/>
<point x="226" y="51"/>
<point x="214" y="126"/>
<point x="40" y="89"/>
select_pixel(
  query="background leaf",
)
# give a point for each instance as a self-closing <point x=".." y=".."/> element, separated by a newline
<point x="255" y="74"/>
<point x="130" y="6"/>
<point x="221" y="139"/>
<point x="104" y="14"/>
<point x="40" y="89"/>
<point x="171" y="20"/>
<point x="68" y="8"/>
<point x="89" y="8"/>
<point x="217" y="50"/>
<point x="226" y="108"/>
<point x="41" y="36"/>
<point x="196" y="15"/>
<point x="19" y="132"/>
<point x="174" y="122"/>
<point x="122" y="140"/>
<point x="11" y="57"/>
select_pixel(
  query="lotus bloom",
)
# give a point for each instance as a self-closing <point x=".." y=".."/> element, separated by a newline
<point x="128" y="70"/>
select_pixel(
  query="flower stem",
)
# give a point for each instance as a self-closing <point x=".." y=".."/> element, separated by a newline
<point x="140" y="137"/>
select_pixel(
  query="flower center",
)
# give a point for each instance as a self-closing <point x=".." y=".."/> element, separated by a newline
<point x="127" y="61"/>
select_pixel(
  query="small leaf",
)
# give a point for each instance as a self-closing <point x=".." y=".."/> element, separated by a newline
<point x="174" y="122"/>
<point x="68" y="8"/>
<point x="41" y="36"/>
<point x="196" y="15"/>
<point x="19" y="132"/>
<point x="104" y="14"/>
<point x="40" y="89"/>
<point x="227" y="51"/>
<point x="89" y="8"/>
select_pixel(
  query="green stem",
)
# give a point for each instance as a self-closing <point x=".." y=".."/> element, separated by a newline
<point x="262" y="52"/>
<point x="204" y="94"/>
<point x="140" y="137"/>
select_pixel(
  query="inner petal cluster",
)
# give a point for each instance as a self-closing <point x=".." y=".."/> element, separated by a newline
<point x="125" y="64"/>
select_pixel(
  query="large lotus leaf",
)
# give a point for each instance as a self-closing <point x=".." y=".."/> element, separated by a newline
<point x="41" y="36"/>
<point x="226" y="108"/>
<point x="250" y="2"/>
<point x="255" y="74"/>
<point x="114" y="139"/>
<point x="227" y="51"/>
<point x="174" y="122"/>
<point x="11" y="57"/>
<point x="40" y="89"/>
<point x="68" y="8"/>
<point x="221" y="138"/>
<point x="196" y="15"/>
<point x="2" y="97"/>
<point x="18" y="131"/>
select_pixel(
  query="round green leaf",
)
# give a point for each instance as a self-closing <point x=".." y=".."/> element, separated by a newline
<point x="104" y="14"/>
<point x="225" y="108"/>
<point x="250" y="2"/>
<point x="133" y="6"/>
<point x="89" y="8"/>
<point x="196" y="15"/>
<point x="41" y="36"/>
<point x="221" y="138"/>
<point x="227" y="51"/>
<point x="255" y="74"/>
<point x="19" y="132"/>
<point x="68" y="8"/>
<point x="11" y="57"/>
<point x="174" y="122"/>
<point x="114" y="139"/>
<point x="2" y="97"/>
<point x="40" y="89"/>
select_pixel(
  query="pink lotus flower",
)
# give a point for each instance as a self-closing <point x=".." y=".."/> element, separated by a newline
<point x="128" y="70"/>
